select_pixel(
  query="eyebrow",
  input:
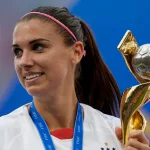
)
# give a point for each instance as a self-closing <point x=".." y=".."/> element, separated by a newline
<point x="32" y="42"/>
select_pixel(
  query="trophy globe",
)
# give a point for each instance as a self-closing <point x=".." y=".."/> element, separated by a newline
<point x="141" y="62"/>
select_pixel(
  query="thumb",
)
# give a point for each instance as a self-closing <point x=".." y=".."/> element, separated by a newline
<point x="118" y="132"/>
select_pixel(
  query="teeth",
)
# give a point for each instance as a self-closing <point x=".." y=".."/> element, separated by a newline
<point x="32" y="76"/>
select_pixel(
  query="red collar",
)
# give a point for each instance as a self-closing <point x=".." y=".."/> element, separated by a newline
<point x="66" y="133"/>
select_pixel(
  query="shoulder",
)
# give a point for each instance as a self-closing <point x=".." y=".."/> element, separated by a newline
<point x="100" y="128"/>
<point x="97" y="118"/>
<point x="11" y="125"/>
<point x="12" y="118"/>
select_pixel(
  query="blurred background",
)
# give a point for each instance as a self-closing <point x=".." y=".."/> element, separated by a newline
<point x="108" y="21"/>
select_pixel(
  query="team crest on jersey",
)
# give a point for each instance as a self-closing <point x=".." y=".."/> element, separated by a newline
<point x="107" y="147"/>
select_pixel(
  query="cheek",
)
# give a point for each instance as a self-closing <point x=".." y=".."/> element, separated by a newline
<point x="16" y="66"/>
<point x="56" y="68"/>
<point x="18" y="71"/>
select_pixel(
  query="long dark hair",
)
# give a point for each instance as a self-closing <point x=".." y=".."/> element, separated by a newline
<point x="94" y="83"/>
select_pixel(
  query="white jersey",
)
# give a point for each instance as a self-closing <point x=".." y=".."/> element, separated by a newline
<point x="18" y="132"/>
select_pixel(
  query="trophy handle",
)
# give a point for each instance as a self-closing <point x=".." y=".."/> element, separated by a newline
<point x="131" y="118"/>
<point x="128" y="47"/>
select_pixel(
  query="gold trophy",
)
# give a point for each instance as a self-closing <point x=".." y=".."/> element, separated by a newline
<point x="137" y="59"/>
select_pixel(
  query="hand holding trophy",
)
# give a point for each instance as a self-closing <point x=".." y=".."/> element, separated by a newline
<point x="138" y="62"/>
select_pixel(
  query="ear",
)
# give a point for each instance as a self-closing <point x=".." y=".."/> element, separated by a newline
<point x="77" y="54"/>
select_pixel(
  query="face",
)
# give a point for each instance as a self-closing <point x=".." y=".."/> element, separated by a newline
<point x="42" y="61"/>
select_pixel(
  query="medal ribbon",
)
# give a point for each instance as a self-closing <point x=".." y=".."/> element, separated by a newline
<point x="44" y="132"/>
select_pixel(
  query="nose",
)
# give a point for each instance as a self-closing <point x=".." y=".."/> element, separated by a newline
<point x="26" y="61"/>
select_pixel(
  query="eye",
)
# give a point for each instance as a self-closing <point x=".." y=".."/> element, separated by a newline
<point x="17" y="52"/>
<point x="38" y="47"/>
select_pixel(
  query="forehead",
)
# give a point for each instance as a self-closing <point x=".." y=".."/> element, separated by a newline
<point x="29" y="30"/>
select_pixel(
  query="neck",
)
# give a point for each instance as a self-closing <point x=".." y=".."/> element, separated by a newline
<point x="58" y="111"/>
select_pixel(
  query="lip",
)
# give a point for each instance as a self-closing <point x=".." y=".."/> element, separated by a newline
<point x="31" y="73"/>
<point x="33" y="80"/>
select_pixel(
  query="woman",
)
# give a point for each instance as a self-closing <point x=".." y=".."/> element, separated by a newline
<point x="58" y="63"/>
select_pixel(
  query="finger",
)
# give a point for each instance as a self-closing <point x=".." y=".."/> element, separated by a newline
<point x="139" y="135"/>
<point x="118" y="132"/>
<point x="136" y="144"/>
<point x="129" y="148"/>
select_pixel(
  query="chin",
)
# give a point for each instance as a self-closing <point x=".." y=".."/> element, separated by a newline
<point x="35" y="91"/>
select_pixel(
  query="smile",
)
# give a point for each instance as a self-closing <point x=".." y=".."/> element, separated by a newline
<point x="29" y="77"/>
